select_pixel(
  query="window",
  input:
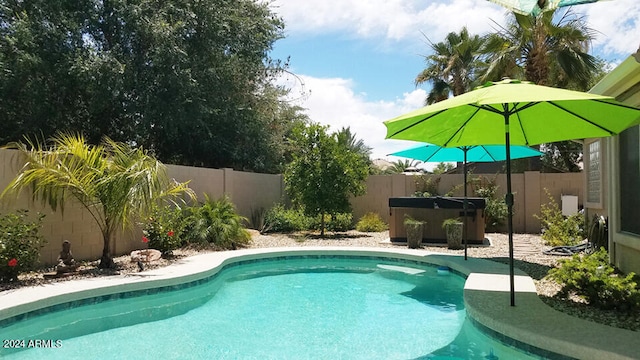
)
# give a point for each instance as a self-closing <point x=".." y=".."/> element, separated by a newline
<point x="629" y="178"/>
<point x="594" y="174"/>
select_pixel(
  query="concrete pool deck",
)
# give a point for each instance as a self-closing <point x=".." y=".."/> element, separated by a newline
<point x="486" y="297"/>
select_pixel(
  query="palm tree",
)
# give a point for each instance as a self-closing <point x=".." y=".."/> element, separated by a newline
<point x="349" y="140"/>
<point x="400" y="166"/>
<point x="544" y="49"/>
<point x="113" y="181"/>
<point x="452" y="66"/>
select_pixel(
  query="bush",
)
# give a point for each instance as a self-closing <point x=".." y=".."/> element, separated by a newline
<point x="279" y="219"/>
<point x="558" y="230"/>
<point x="337" y="222"/>
<point x="594" y="279"/>
<point x="216" y="222"/>
<point x="496" y="210"/>
<point x="163" y="230"/>
<point x="20" y="244"/>
<point x="371" y="222"/>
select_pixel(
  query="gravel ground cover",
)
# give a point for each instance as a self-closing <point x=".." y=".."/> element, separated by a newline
<point x="529" y="257"/>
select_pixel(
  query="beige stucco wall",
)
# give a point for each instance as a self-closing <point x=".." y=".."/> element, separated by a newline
<point x="251" y="192"/>
<point x="247" y="191"/>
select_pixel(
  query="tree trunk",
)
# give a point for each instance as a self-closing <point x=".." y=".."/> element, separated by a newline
<point x="106" y="261"/>
<point x="322" y="224"/>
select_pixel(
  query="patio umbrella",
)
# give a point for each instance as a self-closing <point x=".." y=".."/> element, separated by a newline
<point x="535" y="7"/>
<point x="477" y="153"/>
<point x="514" y="112"/>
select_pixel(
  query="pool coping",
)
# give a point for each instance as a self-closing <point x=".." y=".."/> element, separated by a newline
<point x="486" y="296"/>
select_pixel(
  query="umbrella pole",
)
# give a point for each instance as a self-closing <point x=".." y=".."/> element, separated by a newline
<point x="464" y="203"/>
<point x="509" y="201"/>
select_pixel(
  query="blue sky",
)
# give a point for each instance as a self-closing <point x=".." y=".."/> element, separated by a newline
<point x="355" y="60"/>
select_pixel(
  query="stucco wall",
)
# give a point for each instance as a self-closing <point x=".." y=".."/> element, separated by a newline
<point x="248" y="191"/>
<point x="251" y="192"/>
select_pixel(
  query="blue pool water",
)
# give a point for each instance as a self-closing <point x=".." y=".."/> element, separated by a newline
<point x="311" y="308"/>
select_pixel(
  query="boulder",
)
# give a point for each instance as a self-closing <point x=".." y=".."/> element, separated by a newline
<point x="146" y="255"/>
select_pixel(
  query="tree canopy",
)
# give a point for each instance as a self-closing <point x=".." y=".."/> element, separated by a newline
<point x="188" y="80"/>
<point x="325" y="172"/>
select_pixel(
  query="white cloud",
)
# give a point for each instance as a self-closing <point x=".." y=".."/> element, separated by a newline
<point x="618" y="24"/>
<point x="332" y="101"/>
<point x="618" y="21"/>
<point x="387" y="19"/>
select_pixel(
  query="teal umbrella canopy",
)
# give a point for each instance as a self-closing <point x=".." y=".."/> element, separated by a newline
<point x="478" y="153"/>
<point x="535" y="7"/>
<point x="513" y="112"/>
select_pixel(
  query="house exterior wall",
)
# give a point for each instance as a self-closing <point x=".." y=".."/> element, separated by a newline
<point x="624" y="247"/>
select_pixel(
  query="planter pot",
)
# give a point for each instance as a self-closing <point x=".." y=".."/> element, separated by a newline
<point x="454" y="235"/>
<point x="414" y="234"/>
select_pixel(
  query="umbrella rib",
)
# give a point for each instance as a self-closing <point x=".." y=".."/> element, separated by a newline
<point x="486" y="150"/>
<point x="463" y="125"/>
<point x="524" y="133"/>
<point x="416" y="123"/>
<point x="582" y="117"/>
<point x="618" y="104"/>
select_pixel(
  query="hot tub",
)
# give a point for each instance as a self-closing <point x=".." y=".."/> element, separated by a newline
<point x="434" y="210"/>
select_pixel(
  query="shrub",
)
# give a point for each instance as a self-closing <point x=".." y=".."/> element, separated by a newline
<point x="594" y="279"/>
<point x="279" y="219"/>
<point x="371" y="222"/>
<point x="20" y="244"/>
<point x="496" y="210"/>
<point x="216" y="222"/>
<point x="163" y="230"/>
<point x="428" y="185"/>
<point x="257" y="219"/>
<point x="558" y="230"/>
<point x="337" y="222"/>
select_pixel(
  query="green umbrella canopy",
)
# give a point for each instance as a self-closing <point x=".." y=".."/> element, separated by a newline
<point x="479" y="153"/>
<point x="536" y="114"/>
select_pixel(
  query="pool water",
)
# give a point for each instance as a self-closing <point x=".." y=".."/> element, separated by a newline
<point x="311" y="308"/>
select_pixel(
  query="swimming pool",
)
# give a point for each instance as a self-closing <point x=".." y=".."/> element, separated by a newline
<point x="287" y="307"/>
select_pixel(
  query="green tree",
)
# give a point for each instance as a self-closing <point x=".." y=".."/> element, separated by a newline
<point x="324" y="173"/>
<point x="116" y="183"/>
<point x="452" y="67"/>
<point x="549" y="49"/>
<point x="150" y="73"/>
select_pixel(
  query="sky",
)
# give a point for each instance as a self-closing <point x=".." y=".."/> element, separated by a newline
<point x="353" y="62"/>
